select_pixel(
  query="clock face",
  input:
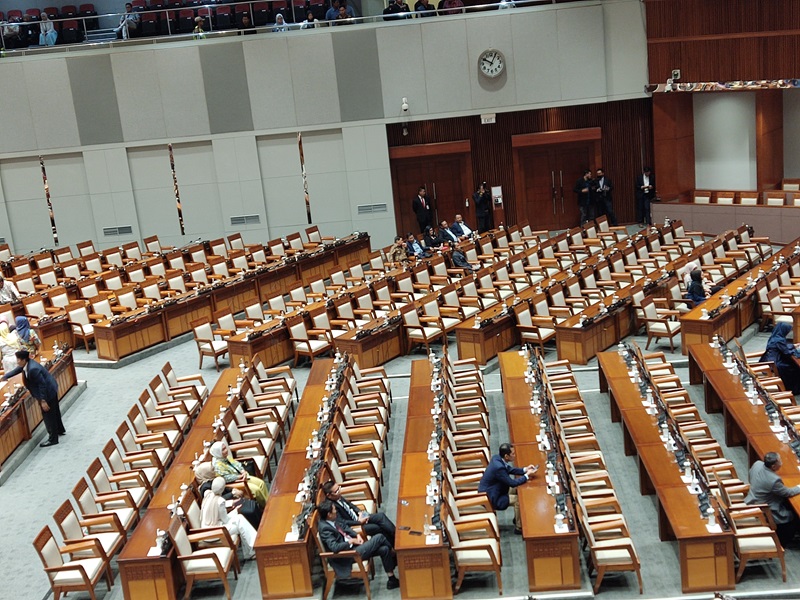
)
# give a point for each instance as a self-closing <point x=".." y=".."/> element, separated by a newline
<point x="491" y="63"/>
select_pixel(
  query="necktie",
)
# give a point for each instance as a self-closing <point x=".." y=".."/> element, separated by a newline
<point x="349" y="510"/>
<point x="341" y="531"/>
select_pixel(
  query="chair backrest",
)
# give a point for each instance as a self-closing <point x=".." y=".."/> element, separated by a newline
<point x="225" y="320"/>
<point x="93" y="263"/>
<point x="277" y="303"/>
<point x="295" y="241"/>
<point x="725" y="197"/>
<point x="239" y="260"/>
<point x="297" y="330"/>
<point x="276" y="247"/>
<point x="102" y="307"/>
<point x="198" y="275"/>
<point x="218" y="247"/>
<point x="410" y="316"/>
<point x="86" y="248"/>
<point x="236" y="241"/>
<point x="77" y="313"/>
<point x="127" y="297"/>
<point x="523" y="312"/>
<point x="175" y="282"/>
<point x="203" y="333"/>
<point x="254" y="311"/>
<point x="97" y="475"/>
<point x="178" y="534"/>
<point x="34" y="306"/>
<point x="702" y="197"/>
<point x="25" y="284"/>
<point x="748" y="198"/>
<point x="47" y="549"/>
<point x="197" y="253"/>
<point x="297" y="293"/>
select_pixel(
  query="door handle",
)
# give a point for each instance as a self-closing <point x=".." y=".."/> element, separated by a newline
<point x="561" y="179"/>
<point x="553" y="189"/>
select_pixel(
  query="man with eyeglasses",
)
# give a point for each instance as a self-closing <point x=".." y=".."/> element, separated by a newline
<point x="351" y="515"/>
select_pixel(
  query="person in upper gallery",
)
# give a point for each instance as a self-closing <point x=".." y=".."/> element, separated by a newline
<point x="246" y="26"/>
<point x="9" y="345"/>
<point x="47" y="31"/>
<point x="232" y="470"/>
<point x="44" y="388"/>
<point x="333" y="11"/>
<point x="500" y="487"/>
<point x="351" y="515"/>
<point x="128" y="23"/>
<point x="603" y="197"/>
<point x="460" y="228"/>
<point x="584" y="191"/>
<point x="336" y="537"/>
<point x="204" y="473"/>
<point x="696" y="292"/>
<point x="482" y="199"/>
<point x="8" y="291"/>
<point x="645" y="194"/>
<point x="767" y="487"/>
<point x="398" y="252"/>
<point x="310" y="22"/>
<point x="421" y="206"/>
<point x="280" y="24"/>
<point x="424" y="8"/>
<point x="28" y="32"/>
<point x="215" y="514"/>
<point x="199" y="29"/>
<point x="782" y="352"/>
<point x="394" y="11"/>
<point x="28" y="338"/>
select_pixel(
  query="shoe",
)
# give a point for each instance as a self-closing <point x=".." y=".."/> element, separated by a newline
<point x="393" y="583"/>
<point x="63" y="433"/>
<point x="48" y="443"/>
<point x="249" y="556"/>
<point x="517" y="530"/>
<point x="514" y="521"/>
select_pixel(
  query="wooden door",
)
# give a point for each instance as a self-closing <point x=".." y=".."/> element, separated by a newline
<point x="445" y="173"/>
<point x="571" y="160"/>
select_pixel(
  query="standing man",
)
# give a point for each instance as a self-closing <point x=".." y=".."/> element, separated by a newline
<point x="645" y="192"/>
<point x="337" y="537"/>
<point x="8" y="291"/>
<point x="766" y="487"/>
<point x="604" y="188"/>
<point x="350" y="514"/>
<point x="44" y="387"/>
<point x="583" y="190"/>
<point x="422" y="209"/>
<point x="500" y="487"/>
<point x="483" y="207"/>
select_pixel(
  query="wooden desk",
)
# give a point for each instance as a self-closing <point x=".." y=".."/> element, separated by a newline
<point x="706" y="559"/>
<point x="377" y="348"/>
<point x="19" y="421"/>
<point x="424" y="570"/>
<point x="580" y="344"/>
<point x="284" y="568"/>
<point x="553" y="558"/>
<point x="487" y="342"/>
<point x="155" y="578"/>
<point x="115" y="341"/>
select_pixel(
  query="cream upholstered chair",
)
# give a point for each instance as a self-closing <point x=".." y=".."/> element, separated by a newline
<point x="149" y="467"/>
<point x="159" y="428"/>
<point x="194" y="381"/>
<point x="185" y="399"/>
<point x="310" y="343"/>
<point x="115" y="504"/>
<point x="81" y="324"/>
<point x="480" y="554"/>
<point x="218" y="248"/>
<point x="133" y="484"/>
<point x="131" y="444"/>
<point x="208" y="563"/>
<point x="417" y="333"/>
<point x="533" y="330"/>
<point x="74" y="574"/>
<point x="206" y="344"/>
<point x="754" y="537"/>
<point x="659" y="325"/>
<point x="101" y="310"/>
<point x="75" y="528"/>
<point x="361" y="569"/>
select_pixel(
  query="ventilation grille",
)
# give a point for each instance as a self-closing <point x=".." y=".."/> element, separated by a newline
<point x="368" y="209"/>
<point x="121" y="230"/>
<point x="246" y="220"/>
<point x="2" y="240"/>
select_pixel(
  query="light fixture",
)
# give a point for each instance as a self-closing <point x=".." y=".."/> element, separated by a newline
<point x="404" y="105"/>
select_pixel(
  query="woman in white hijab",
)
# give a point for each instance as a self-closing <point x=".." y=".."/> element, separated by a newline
<point x="214" y="514"/>
<point x="232" y="470"/>
<point x="280" y="23"/>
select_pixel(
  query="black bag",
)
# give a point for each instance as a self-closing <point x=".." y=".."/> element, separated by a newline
<point x="250" y="466"/>
<point x="251" y="511"/>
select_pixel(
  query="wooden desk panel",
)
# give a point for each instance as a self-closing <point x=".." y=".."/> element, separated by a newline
<point x="178" y="317"/>
<point x="52" y="331"/>
<point x="580" y="344"/>
<point x="119" y="340"/>
<point x="375" y="349"/>
<point x="273" y="347"/>
<point x="236" y="296"/>
<point x="487" y="342"/>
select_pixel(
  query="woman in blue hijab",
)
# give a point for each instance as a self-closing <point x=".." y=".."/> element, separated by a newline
<point x="782" y="352"/>
<point x="27" y="336"/>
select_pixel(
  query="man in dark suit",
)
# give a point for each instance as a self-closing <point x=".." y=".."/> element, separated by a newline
<point x="766" y="487"/>
<point x="422" y="209"/>
<point x="584" y="191"/>
<point x="603" y="189"/>
<point x="44" y="387"/>
<point x="351" y="515"/>
<point x="483" y="207"/>
<point x="446" y="234"/>
<point x="498" y="484"/>
<point x="336" y="536"/>
<point x="645" y="193"/>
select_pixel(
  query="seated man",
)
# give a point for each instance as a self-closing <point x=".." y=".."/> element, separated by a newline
<point x="398" y="251"/>
<point x="351" y="515"/>
<point x="338" y="537"/>
<point x="498" y="485"/>
<point x="460" y="228"/>
<point x="446" y="234"/>
<point x="414" y="248"/>
<point x="767" y="487"/>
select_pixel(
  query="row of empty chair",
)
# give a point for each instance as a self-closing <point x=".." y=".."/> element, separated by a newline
<point x="786" y="197"/>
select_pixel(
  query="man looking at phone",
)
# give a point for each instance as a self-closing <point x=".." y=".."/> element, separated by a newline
<point x="351" y="515"/>
<point x="500" y="487"/>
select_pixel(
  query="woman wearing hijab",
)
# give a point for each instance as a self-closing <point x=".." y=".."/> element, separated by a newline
<point x="204" y="473"/>
<point x="695" y="290"/>
<point x="47" y="31"/>
<point x="686" y="273"/>
<point x="232" y="470"/>
<point x="280" y="24"/>
<point x="782" y="352"/>
<point x="27" y="337"/>
<point x="214" y="514"/>
<point x="9" y="344"/>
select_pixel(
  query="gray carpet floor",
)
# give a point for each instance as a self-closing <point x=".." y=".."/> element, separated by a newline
<point x="33" y="492"/>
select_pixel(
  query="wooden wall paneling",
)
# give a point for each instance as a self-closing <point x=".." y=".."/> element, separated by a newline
<point x="627" y="144"/>
<point x="769" y="139"/>
<point x="673" y="138"/>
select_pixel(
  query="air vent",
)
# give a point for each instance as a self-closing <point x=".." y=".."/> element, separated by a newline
<point x="367" y="209"/>
<point x="2" y="240"/>
<point x="121" y="230"/>
<point x="246" y="220"/>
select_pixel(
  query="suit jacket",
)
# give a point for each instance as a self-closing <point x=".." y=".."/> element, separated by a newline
<point x="497" y="480"/>
<point x="766" y="487"/>
<point x="40" y="383"/>
<point x="640" y="182"/>
<point x="456" y="228"/>
<point x="343" y="515"/>
<point x="333" y="541"/>
<point x="483" y="203"/>
<point x="607" y="183"/>
<point x="446" y="237"/>
<point x="423" y="213"/>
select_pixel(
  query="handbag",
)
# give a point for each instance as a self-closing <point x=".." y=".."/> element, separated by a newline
<point x="250" y="466"/>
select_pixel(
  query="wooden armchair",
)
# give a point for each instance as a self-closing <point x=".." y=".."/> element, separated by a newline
<point x="206" y="344"/>
<point x="207" y="563"/>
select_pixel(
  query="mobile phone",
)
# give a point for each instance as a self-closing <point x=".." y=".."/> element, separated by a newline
<point x="404" y="528"/>
<point x="415" y="532"/>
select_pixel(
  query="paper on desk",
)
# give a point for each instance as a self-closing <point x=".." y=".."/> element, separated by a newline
<point x="432" y="539"/>
<point x="563" y="528"/>
<point x="291" y="537"/>
<point x="715" y="528"/>
<point x="154" y="551"/>
<point x="776" y="428"/>
<point x="694" y="490"/>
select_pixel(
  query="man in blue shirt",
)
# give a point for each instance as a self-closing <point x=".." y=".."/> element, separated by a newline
<point x="500" y="487"/>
